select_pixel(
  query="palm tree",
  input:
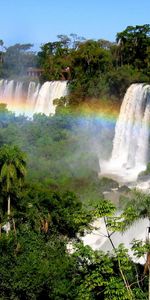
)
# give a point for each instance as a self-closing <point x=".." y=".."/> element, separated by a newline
<point x="12" y="171"/>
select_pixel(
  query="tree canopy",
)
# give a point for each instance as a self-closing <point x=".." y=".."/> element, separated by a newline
<point x="86" y="64"/>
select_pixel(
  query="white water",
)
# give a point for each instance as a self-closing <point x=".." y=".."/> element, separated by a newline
<point x="98" y="238"/>
<point x="33" y="98"/>
<point x="131" y="142"/>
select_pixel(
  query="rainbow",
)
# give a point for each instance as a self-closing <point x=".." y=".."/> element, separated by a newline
<point x="104" y="111"/>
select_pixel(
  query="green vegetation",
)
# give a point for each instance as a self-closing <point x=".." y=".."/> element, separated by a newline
<point x="58" y="199"/>
<point x="95" y="69"/>
<point x="16" y="59"/>
<point x="63" y="150"/>
<point x="36" y="264"/>
<point x="12" y="170"/>
<point x="44" y="212"/>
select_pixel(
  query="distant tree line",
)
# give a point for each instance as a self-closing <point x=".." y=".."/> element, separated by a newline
<point x="94" y="68"/>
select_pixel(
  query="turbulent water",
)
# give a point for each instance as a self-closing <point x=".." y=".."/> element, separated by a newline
<point x="130" y="152"/>
<point x="31" y="98"/>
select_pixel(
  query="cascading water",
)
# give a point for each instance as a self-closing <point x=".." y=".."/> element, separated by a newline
<point x="32" y="98"/>
<point x="7" y="90"/>
<point x="48" y="92"/>
<point x="32" y="95"/>
<point x="131" y="142"/>
<point x="129" y="157"/>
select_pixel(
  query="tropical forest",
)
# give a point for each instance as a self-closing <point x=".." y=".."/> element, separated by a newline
<point x="65" y="223"/>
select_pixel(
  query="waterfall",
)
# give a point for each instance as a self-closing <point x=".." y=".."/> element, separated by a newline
<point x="33" y="91"/>
<point x="31" y="98"/>
<point x="48" y="92"/>
<point x="8" y="91"/>
<point x="131" y="142"/>
<point x="1" y="88"/>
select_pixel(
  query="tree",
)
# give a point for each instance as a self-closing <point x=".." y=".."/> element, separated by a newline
<point x="17" y="59"/>
<point x="36" y="268"/>
<point x="90" y="62"/>
<point x="1" y="55"/>
<point x="54" y="58"/>
<point x="133" y="44"/>
<point x="65" y="40"/>
<point x="76" y="40"/>
<point x="89" y="58"/>
<point x="12" y="170"/>
<point x="118" y="80"/>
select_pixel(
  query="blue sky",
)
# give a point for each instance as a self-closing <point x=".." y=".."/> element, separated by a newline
<point x="40" y="21"/>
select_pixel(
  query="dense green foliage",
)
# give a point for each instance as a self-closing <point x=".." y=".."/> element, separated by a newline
<point x="35" y="263"/>
<point x="63" y="150"/>
<point x="12" y="166"/>
<point x="95" y="69"/>
<point x="16" y="59"/>
<point x="36" y="259"/>
<point x="42" y="256"/>
<point x="99" y="69"/>
<point x="134" y="46"/>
